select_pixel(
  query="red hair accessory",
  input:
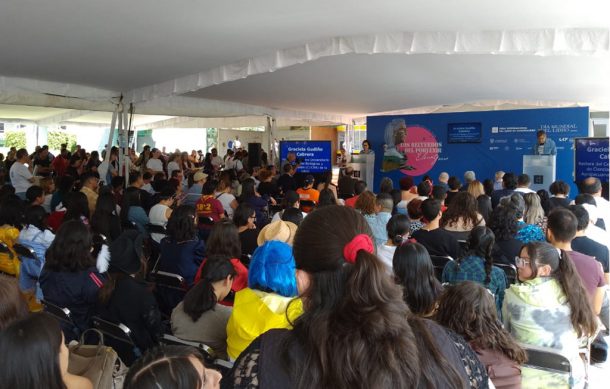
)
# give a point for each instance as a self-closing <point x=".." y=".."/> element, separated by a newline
<point x="360" y="242"/>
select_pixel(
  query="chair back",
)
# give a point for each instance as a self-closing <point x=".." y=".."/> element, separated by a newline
<point x="439" y="263"/>
<point x="205" y="350"/>
<point x="64" y="316"/>
<point x="120" y="338"/>
<point x="5" y="250"/>
<point x="168" y="280"/>
<point x="205" y="220"/>
<point x="156" y="229"/>
<point x="547" y="359"/>
<point x="510" y="271"/>
<point x="307" y="205"/>
<point x="25" y="252"/>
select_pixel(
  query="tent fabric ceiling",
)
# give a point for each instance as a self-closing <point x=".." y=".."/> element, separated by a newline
<point x="153" y="51"/>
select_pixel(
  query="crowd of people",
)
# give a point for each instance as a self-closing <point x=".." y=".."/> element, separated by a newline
<point x="297" y="281"/>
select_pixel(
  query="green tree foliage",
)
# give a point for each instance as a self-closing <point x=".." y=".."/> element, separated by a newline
<point x="15" y="139"/>
<point x="56" y="138"/>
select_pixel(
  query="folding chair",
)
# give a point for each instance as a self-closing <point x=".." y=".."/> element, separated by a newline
<point x="120" y="336"/>
<point x="156" y="229"/>
<point x="25" y="251"/>
<point x="307" y="205"/>
<point x="205" y="220"/>
<point x="170" y="289"/>
<point x="547" y="359"/>
<point x="205" y="350"/>
<point x="5" y="250"/>
<point x="439" y="263"/>
<point x="64" y="316"/>
<point x="510" y="271"/>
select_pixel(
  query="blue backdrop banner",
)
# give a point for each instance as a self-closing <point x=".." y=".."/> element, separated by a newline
<point x="417" y="145"/>
<point x="314" y="156"/>
<point x="591" y="158"/>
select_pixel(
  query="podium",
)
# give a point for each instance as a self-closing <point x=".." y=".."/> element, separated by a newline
<point x="541" y="169"/>
<point x="364" y="168"/>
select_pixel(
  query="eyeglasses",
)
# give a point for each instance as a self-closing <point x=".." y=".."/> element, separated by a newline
<point x="521" y="262"/>
<point x="252" y="217"/>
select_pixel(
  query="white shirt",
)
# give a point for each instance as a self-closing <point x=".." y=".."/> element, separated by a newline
<point x="155" y="165"/>
<point x="148" y="187"/>
<point x="386" y="254"/>
<point x="173" y="165"/>
<point x="226" y="199"/>
<point x="524" y="190"/>
<point x="20" y="177"/>
<point x="603" y="210"/>
<point x="278" y="216"/>
<point x="217" y="161"/>
<point x="231" y="163"/>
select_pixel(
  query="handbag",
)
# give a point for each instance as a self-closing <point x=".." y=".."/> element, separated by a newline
<point x="99" y="363"/>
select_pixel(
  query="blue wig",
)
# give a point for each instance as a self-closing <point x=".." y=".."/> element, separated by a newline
<point x="272" y="268"/>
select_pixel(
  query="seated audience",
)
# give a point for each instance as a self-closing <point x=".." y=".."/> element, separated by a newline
<point x="477" y="265"/>
<point x="105" y="220"/>
<point x="34" y="196"/>
<point x="462" y="216"/>
<point x="534" y="213"/>
<point x="339" y="341"/>
<point x="435" y="239"/>
<point x="550" y="308"/>
<point x="180" y="367"/>
<point x="280" y="231"/>
<point x="181" y="250"/>
<point x="561" y="230"/>
<point x="415" y="215"/>
<point x="90" y="184"/>
<point x="244" y="219"/>
<point x="224" y="195"/>
<point x="65" y="186"/>
<point x="13" y="305"/>
<point x="327" y="197"/>
<point x="359" y="187"/>
<point x="469" y="310"/>
<point x="69" y="277"/>
<point x="346" y="184"/>
<point x="560" y="191"/>
<point x="454" y="187"/>
<point x="386" y="185"/>
<point x="413" y="270"/>
<point x="477" y="189"/>
<point x="267" y="302"/>
<point x="509" y="184"/>
<point x="209" y="207"/>
<point x="367" y="206"/>
<point x="439" y="193"/>
<point x="407" y="193"/>
<point x="383" y="209"/>
<point x="523" y="184"/>
<point x="254" y="200"/>
<point x="195" y="187"/>
<point x="286" y="181"/>
<point x="160" y="213"/>
<point x="292" y="215"/>
<point x="585" y="245"/>
<point x="544" y="200"/>
<point x="37" y="237"/>
<point x="267" y="188"/>
<point x="291" y="200"/>
<point x="525" y="232"/>
<point x="126" y="298"/>
<point x="503" y="223"/>
<point x="132" y="212"/>
<point x="198" y="317"/>
<point x="397" y="232"/>
<point x="38" y="356"/>
<point x="223" y="244"/>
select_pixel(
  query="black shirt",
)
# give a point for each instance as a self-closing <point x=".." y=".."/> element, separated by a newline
<point x="248" y="241"/>
<point x="438" y="242"/>
<point x="286" y="182"/>
<point x="555" y="202"/>
<point x="588" y="246"/>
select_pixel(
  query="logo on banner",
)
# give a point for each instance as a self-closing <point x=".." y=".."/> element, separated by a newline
<point x="411" y="149"/>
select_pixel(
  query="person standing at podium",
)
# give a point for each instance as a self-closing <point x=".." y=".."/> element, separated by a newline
<point x="544" y="146"/>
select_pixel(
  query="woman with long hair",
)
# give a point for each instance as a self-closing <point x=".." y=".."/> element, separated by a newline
<point x="13" y="305"/>
<point x="69" y="278"/>
<point x="105" y="220"/>
<point x="413" y="270"/>
<point x="550" y="308"/>
<point x="469" y="309"/>
<point x="199" y="317"/>
<point x="534" y="213"/>
<point x="245" y="221"/>
<point x="65" y="185"/>
<point x="477" y="265"/>
<point x="181" y="250"/>
<point x="356" y="330"/>
<point x="462" y="216"/>
<point x="398" y="233"/>
<point x="126" y="298"/>
<point x="132" y="212"/>
<point x="477" y="189"/>
<point x="223" y="244"/>
<point x="224" y="195"/>
<point x="38" y="356"/>
<point x="176" y="367"/>
<point x="327" y="197"/>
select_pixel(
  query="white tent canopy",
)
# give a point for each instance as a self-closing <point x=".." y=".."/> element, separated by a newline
<point x="313" y="62"/>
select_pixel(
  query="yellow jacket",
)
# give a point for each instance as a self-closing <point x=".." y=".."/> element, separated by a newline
<point x="254" y="313"/>
<point x="9" y="263"/>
